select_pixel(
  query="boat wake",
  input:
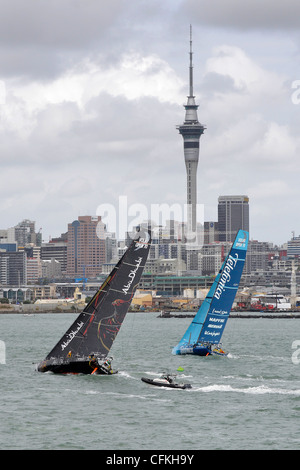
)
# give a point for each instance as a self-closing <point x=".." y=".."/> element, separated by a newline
<point x="126" y="375"/>
<point x="232" y="356"/>
<point x="259" y="390"/>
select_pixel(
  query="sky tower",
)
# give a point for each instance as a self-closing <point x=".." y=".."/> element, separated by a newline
<point x="191" y="130"/>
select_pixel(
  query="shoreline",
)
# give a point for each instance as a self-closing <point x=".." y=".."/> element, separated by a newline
<point x="166" y="314"/>
<point x="292" y="314"/>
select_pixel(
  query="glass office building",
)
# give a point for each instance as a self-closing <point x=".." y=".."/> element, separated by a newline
<point x="233" y="215"/>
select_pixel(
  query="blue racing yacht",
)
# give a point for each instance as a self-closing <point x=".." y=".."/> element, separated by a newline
<point x="204" y="334"/>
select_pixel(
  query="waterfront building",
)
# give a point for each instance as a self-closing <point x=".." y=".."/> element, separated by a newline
<point x="171" y="285"/>
<point x="233" y="215"/>
<point x="16" y="294"/>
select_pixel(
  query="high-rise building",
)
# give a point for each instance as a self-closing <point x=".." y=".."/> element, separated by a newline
<point x="211" y="233"/>
<point x="34" y="265"/>
<point x="233" y="215"/>
<point x="13" y="268"/>
<point x="86" y="247"/>
<point x="56" y="249"/>
<point x="191" y="130"/>
<point x="293" y="248"/>
<point x="25" y="233"/>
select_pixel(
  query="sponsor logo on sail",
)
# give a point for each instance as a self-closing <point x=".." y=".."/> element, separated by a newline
<point x="213" y="334"/>
<point x="71" y="335"/>
<point x="142" y="242"/>
<point x="132" y="275"/>
<point x="241" y="242"/>
<point x="226" y="275"/>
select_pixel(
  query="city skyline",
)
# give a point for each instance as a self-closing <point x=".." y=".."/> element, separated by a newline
<point x="86" y="251"/>
<point x="90" y="114"/>
<point x="228" y="221"/>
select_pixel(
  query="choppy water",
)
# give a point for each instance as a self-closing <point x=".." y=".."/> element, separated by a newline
<point x="249" y="400"/>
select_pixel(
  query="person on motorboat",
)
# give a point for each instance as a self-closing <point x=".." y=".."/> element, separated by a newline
<point x="93" y="363"/>
<point x="168" y="378"/>
<point x="106" y="367"/>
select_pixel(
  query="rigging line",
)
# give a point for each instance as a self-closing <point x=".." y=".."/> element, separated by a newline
<point x="133" y="265"/>
<point x="116" y="290"/>
<point x="119" y="291"/>
<point x="80" y="336"/>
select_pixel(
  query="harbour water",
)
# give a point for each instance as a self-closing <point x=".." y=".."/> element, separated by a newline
<point x="248" y="400"/>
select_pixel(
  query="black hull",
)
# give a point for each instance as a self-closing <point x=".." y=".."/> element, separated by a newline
<point x="79" y="367"/>
<point x="161" y="384"/>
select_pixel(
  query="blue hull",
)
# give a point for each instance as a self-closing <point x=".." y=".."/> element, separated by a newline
<point x="200" y="350"/>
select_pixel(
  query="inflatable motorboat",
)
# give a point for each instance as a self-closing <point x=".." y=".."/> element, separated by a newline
<point x="165" y="381"/>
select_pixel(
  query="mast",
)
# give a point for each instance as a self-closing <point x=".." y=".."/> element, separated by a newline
<point x="293" y="285"/>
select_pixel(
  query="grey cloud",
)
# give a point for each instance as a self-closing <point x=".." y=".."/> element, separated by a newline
<point x="42" y="38"/>
<point x="82" y="153"/>
<point x="215" y="83"/>
<point x="65" y="23"/>
<point x="254" y="14"/>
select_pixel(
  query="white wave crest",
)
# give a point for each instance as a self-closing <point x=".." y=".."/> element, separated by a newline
<point x="259" y="390"/>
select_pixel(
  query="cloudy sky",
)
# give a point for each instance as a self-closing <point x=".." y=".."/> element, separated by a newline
<point x="91" y="92"/>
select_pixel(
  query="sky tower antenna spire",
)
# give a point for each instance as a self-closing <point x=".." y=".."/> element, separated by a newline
<point x="191" y="63"/>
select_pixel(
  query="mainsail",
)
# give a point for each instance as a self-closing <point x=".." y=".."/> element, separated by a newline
<point x="95" y="329"/>
<point x="208" y="324"/>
